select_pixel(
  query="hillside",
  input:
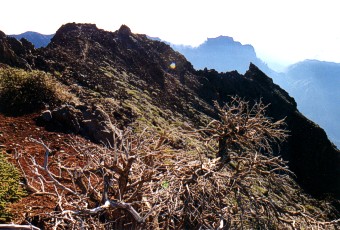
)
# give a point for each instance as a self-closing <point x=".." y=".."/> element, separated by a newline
<point x="312" y="83"/>
<point x="110" y="86"/>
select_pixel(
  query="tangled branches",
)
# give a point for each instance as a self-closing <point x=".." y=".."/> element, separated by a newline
<point x="143" y="182"/>
<point x="248" y="187"/>
<point x="243" y="129"/>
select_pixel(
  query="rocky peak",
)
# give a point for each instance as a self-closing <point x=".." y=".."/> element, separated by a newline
<point x="2" y="35"/>
<point x="124" y="30"/>
<point x="69" y="27"/>
<point x="70" y="31"/>
<point x="256" y="74"/>
<point x="226" y="41"/>
<point x="27" y="44"/>
<point x="12" y="52"/>
<point x="83" y="43"/>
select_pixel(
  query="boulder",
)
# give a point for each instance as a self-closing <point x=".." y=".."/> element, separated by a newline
<point x="93" y="123"/>
<point x="68" y="117"/>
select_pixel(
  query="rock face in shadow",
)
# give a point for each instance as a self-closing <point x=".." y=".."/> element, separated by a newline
<point x="93" y="123"/>
<point x="14" y="52"/>
<point x="118" y="64"/>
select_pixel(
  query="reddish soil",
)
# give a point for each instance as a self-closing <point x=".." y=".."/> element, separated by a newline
<point x="15" y="134"/>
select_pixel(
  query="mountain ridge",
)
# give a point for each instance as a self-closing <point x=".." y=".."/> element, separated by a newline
<point x="138" y="55"/>
<point x="129" y="80"/>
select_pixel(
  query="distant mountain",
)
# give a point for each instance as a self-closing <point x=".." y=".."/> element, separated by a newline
<point x="37" y="39"/>
<point x="315" y="85"/>
<point x="222" y="54"/>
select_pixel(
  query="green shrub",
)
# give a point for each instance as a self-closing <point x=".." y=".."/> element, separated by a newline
<point x="22" y="91"/>
<point x="10" y="189"/>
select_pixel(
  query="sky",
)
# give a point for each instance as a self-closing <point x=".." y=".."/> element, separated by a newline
<point x="282" y="32"/>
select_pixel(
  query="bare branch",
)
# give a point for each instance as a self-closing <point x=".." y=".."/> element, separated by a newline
<point x="143" y="181"/>
<point x="16" y="226"/>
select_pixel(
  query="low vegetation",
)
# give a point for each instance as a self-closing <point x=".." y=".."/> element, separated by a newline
<point x="144" y="181"/>
<point x="27" y="91"/>
<point x="10" y="189"/>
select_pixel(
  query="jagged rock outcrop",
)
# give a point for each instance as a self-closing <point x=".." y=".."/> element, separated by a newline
<point x="93" y="123"/>
<point x="122" y="66"/>
<point x="12" y="52"/>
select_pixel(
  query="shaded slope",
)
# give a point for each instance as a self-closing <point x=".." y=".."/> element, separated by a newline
<point x="310" y="154"/>
<point x="14" y="52"/>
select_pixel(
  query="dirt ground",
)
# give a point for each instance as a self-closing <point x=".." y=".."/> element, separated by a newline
<point x="16" y="135"/>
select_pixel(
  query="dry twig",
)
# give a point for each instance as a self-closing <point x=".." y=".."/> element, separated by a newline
<point x="142" y="182"/>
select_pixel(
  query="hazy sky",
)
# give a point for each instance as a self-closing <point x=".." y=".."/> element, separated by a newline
<point x="281" y="31"/>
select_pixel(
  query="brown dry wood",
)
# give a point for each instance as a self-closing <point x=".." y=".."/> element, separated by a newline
<point x="18" y="227"/>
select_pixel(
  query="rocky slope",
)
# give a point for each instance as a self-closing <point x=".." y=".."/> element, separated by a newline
<point x="311" y="82"/>
<point x="130" y="75"/>
<point x="14" y="52"/>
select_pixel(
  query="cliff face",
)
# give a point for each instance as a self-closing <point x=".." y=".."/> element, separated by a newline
<point x="121" y="64"/>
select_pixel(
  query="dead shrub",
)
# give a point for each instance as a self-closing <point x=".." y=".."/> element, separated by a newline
<point x="141" y="182"/>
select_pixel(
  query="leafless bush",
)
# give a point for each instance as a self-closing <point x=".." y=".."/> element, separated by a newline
<point x="142" y="182"/>
<point x="242" y="129"/>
